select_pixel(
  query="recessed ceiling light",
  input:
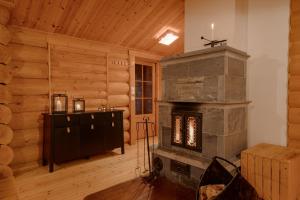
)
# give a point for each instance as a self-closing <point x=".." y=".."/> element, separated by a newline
<point x="168" y="38"/>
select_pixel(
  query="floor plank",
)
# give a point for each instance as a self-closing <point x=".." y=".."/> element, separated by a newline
<point x="77" y="179"/>
<point x="137" y="189"/>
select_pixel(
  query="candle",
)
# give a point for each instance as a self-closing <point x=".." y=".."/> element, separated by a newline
<point x="177" y="134"/>
<point x="212" y="31"/>
<point x="58" y="105"/>
<point x="77" y="106"/>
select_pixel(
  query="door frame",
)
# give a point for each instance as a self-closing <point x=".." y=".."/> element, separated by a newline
<point x="154" y="61"/>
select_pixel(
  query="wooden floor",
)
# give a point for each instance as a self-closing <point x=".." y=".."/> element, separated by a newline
<point x="78" y="179"/>
<point x="137" y="189"/>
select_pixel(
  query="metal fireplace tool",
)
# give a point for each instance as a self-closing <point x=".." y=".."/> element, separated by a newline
<point x="157" y="166"/>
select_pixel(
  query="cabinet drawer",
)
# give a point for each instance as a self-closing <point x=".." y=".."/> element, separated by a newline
<point x="66" y="120"/>
<point x="66" y="144"/>
<point x="88" y="118"/>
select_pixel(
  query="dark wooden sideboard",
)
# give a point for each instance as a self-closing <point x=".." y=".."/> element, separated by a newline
<point x="72" y="136"/>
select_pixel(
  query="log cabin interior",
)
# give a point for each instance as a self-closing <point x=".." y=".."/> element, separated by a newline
<point x="149" y="99"/>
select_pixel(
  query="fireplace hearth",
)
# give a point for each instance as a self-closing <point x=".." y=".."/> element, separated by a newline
<point x="202" y="111"/>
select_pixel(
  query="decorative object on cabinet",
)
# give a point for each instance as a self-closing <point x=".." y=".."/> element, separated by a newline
<point x="78" y="105"/>
<point x="71" y="136"/>
<point x="59" y="103"/>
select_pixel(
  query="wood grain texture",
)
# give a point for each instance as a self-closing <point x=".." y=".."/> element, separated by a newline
<point x="5" y="114"/>
<point x="27" y="154"/>
<point x="5" y="94"/>
<point x="29" y="53"/>
<point x="23" y="69"/>
<point x="26" y="120"/>
<point x="5" y="35"/>
<point x="6" y="73"/>
<point x="27" y="137"/>
<point x="6" y="134"/>
<point x="134" y="24"/>
<point x="5" y="54"/>
<point x="294" y="76"/>
<point x="6" y="155"/>
<point x="4" y="15"/>
<point x="5" y="172"/>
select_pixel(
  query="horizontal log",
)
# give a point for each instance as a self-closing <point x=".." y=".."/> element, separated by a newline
<point x="118" y="76"/>
<point x="5" y="114"/>
<point x="5" y="94"/>
<point x="4" y="15"/>
<point x="294" y="68"/>
<point x="22" y="168"/>
<point x="27" y="137"/>
<point x="8" y="190"/>
<point x="65" y="85"/>
<point x="5" y="35"/>
<point x="5" y="54"/>
<point x="294" y="99"/>
<point x="28" y="37"/>
<point x="5" y="172"/>
<point x="6" y="155"/>
<point x="118" y="67"/>
<point x="95" y="103"/>
<point x="78" y="57"/>
<point x="27" y="154"/>
<point x="81" y="51"/>
<point x="26" y="120"/>
<point x="29" y="53"/>
<point x="6" y="73"/>
<point x="118" y="100"/>
<point x="6" y="134"/>
<point x="67" y="75"/>
<point x="293" y="143"/>
<point x="23" y="69"/>
<point x="294" y="83"/>
<point x="118" y="88"/>
<point x="294" y="115"/>
<point x="125" y="112"/>
<point x="88" y="94"/>
<point x="29" y="103"/>
<point x="77" y="67"/>
<point x="126" y="124"/>
<point x="294" y="48"/>
<point x="26" y="86"/>
<point x="126" y="137"/>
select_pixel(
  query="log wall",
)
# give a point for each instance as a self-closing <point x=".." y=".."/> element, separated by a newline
<point x="45" y="64"/>
<point x="7" y="180"/>
<point x="294" y="77"/>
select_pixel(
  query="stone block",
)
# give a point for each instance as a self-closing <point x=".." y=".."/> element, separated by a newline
<point x="209" y="146"/>
<point x="207" y="67"/>
<point x="175" y="71"/>
<point x="213" y="121"/>
<point x="165" y="117"/>
<point x="166" y="137"/>
<point x="236" y="67"/>
<point x="235" y="89"/>
<point x="236" y="120"/>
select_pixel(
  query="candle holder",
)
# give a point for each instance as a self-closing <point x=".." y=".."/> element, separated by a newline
<point x="59" y="103"/>
<point x="78" y="105"/>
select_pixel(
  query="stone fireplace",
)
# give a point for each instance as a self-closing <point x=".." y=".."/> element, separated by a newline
<point x="202" y="112"/>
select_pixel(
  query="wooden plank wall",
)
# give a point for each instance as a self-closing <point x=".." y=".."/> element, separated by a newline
<point x="100" y="74"/>
<point x="294" y="77"/>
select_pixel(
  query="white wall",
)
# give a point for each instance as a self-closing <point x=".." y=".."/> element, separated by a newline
<point x="259" y="27"/>
<point x="268" y="28"/>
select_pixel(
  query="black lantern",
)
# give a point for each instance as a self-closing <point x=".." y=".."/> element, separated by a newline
<point x="78" y="105"/>
<point x="59" y="103"/>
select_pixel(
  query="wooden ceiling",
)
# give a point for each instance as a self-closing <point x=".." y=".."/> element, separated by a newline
<point x="130" y="23"/>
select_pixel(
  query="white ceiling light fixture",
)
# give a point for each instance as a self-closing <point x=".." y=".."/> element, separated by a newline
<point x="168" y="38"/>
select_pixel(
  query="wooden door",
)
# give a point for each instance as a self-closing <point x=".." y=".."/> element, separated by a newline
<point x="144" y="95"/>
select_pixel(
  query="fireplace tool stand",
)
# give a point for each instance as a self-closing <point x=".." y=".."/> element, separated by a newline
<point x="153" y="172"/>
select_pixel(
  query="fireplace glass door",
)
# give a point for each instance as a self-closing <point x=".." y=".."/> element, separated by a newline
<point x="187" y="130"/>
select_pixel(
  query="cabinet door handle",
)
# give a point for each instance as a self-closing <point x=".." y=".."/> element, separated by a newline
<point x="68" y="118"/>
<point x="92" y="116"/>
<point x="112" y="115"/>
<point x="92" y="127"/>
<point x="68" y="130"/>
<point x="113" y="124"/>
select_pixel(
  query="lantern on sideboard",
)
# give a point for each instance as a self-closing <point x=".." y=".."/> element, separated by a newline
<point x="59" y="103"/>
<point x="78" y="105"/>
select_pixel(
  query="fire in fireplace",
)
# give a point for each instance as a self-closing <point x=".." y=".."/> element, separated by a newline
<point x="187" y="130"/>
